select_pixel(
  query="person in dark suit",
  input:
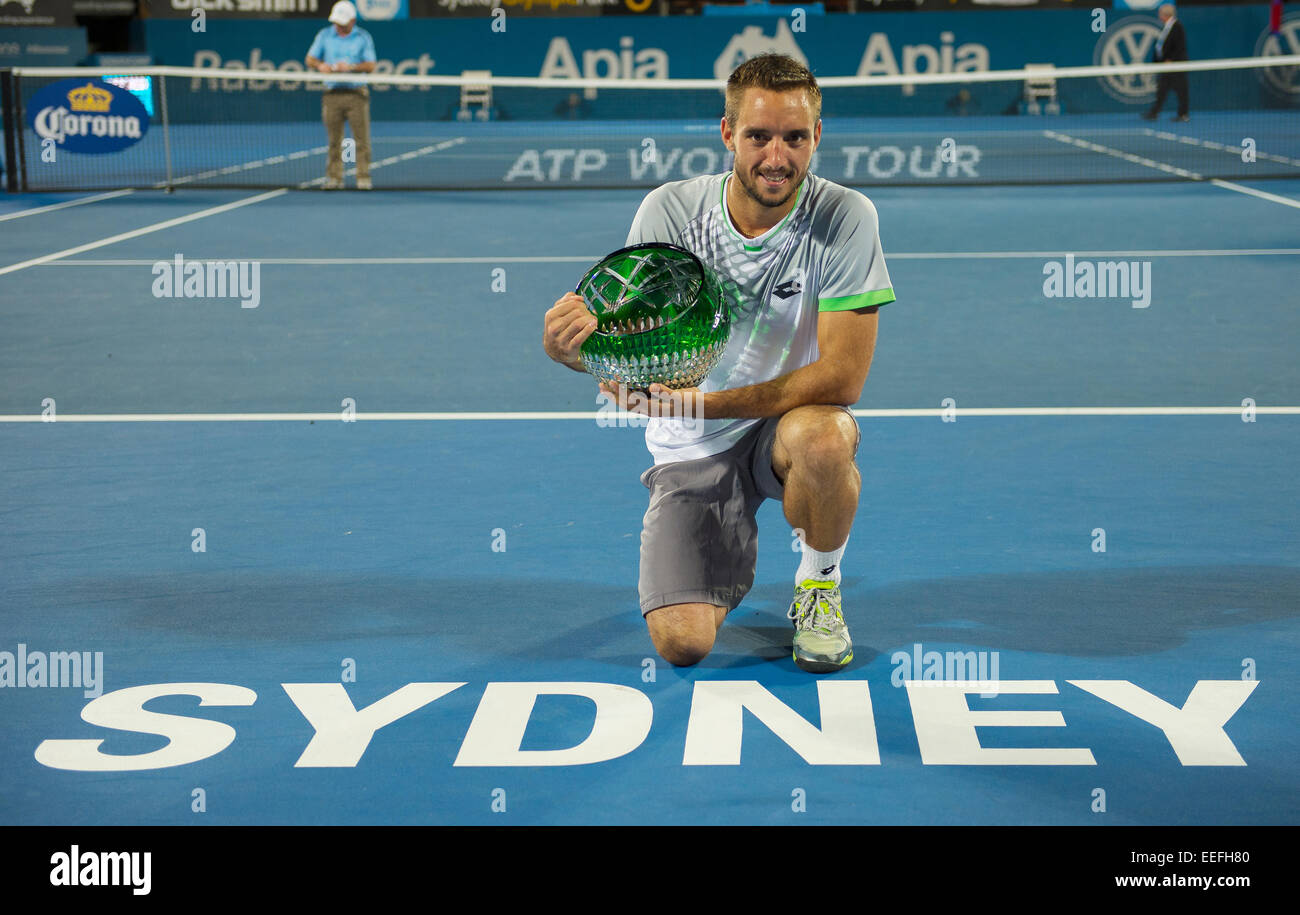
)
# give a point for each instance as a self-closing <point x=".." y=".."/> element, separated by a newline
<point x="1170" y="46"/>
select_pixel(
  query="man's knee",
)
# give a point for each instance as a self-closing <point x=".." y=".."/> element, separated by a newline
<point x="683" y="634"/>
<point x="819" y="438"/>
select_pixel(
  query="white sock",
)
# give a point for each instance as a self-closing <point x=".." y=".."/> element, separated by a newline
<point x="820" y="566"/>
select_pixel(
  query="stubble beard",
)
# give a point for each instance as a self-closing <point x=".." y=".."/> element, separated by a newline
<point x="750" y="185"/>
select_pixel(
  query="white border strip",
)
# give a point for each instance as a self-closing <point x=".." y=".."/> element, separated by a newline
<point x="351" y="261"/>
<point x="393" y="79"/>
<point x="136" y="233"/>
<point x="591" y="259"/>
<point x="624" y="417"/>
<point x="67" y="203"/>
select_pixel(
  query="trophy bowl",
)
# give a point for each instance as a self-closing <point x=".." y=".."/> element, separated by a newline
<point x="661" y="317"/>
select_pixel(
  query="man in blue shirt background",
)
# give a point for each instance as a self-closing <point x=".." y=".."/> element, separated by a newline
<point x="344" y="48"/>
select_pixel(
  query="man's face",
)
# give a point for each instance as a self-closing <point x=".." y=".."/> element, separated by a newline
<point x="345" y="28"/>
<point x="773" y="138"/>
<point x="1166" y="13"/>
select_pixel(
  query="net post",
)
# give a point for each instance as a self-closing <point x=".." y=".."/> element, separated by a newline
<point x="167" y="135"/>
<point x="10" y="129"/>
<point x="18" y="132"/>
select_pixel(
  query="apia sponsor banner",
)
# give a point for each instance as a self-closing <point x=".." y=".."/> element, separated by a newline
<point x="39" y="13"/>
<point x="429" y="9"/>
<point x="87" y="116"/>
<point x="658" y="47"/>
<point x="661" y="48"/>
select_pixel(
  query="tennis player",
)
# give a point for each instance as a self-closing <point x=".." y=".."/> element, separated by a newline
<point x="801" y="260"/>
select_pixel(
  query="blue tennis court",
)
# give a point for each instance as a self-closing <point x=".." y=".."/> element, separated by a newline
<point x="377" y="555"/>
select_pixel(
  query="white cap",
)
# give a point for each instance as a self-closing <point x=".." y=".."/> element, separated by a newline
<point x="343" y="13"/>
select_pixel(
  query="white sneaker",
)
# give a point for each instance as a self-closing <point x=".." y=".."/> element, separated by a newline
<point x="363" y="184"/>
<point x="821" y="640"/>
<point x="333" y="184"/>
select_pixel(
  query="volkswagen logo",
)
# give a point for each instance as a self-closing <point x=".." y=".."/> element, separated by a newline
<point x="1283" y="80"/>
<point x="1129" y="41"/>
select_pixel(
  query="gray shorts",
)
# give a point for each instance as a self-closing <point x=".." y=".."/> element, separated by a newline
<point x="699" y="539"/>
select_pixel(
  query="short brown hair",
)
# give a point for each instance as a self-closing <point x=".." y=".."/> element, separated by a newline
<point x="775" y="73"/>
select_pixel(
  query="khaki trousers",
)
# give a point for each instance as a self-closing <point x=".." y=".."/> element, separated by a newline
<point x="353" y="106"/>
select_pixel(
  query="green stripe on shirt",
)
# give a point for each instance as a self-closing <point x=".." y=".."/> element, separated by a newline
<point x="861" y="300"/>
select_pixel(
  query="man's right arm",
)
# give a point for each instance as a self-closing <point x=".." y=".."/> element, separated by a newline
<point x="567" y="326"/>
<point x="568" y="323"/>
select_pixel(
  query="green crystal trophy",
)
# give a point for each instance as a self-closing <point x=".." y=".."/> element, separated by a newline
<point x="661" y="318"/>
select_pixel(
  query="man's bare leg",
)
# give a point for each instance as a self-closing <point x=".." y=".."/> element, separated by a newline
<point x="683" y="633"/>
<point x="813" y="454"/>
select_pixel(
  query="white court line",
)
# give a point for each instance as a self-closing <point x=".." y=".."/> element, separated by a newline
<point x="592" y="415"/>
<point x="1263" y="195"/>
<point x="1166" y="167"/>
<point x="67" y="203"/>
<point x="392" y="160"/>
<point x="592" y="258"/>
<point x="245" y="166"/>
<point x="1212" y="144"/>
<point x="1120" y="154"/>
<point x="136" y="233"/>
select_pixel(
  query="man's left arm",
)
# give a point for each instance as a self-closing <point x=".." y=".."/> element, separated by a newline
<point x="846" y="341"/>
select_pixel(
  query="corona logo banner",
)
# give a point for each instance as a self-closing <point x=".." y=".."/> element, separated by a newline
<point x="88" y="116"/>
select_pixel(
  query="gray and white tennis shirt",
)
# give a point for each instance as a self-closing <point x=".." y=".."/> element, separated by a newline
<point x="824" y="256"/>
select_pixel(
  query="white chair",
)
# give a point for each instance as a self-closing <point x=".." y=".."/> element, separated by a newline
<point x="472" y="94"/>
<point x="1041" y="85"/>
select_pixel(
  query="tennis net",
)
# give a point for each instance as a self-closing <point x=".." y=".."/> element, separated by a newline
<point x="230" y="128"/>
